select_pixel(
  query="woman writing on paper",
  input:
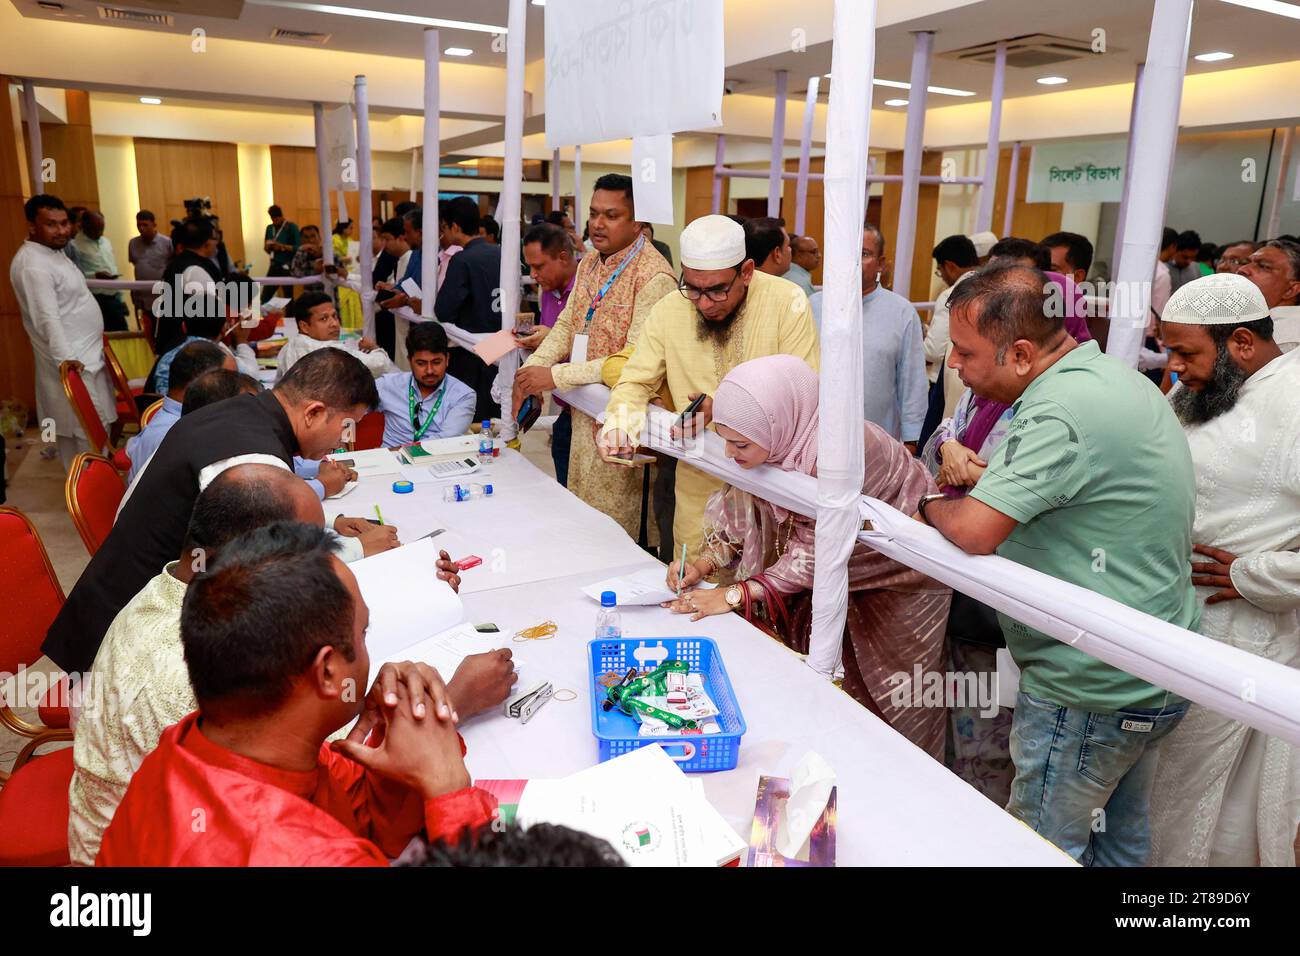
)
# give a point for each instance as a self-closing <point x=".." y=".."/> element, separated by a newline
<point x="766" y="411"/>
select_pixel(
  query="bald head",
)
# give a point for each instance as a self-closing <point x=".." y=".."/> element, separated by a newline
<point x="242" y="499"/>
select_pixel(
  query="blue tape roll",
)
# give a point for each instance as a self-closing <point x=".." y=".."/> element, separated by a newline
<point x="403" y="487"/>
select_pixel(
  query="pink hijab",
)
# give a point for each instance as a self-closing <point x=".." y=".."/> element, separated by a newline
<point x="772" y="401"/>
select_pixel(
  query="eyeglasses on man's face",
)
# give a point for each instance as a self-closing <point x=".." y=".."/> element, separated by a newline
<point x="717" y="293"/>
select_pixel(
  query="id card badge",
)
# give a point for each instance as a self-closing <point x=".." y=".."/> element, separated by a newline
<point x="578" y="353"/>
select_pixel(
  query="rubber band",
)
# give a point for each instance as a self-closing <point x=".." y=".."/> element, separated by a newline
<point x="538" y="632"/>
<point x="573" y="695"/>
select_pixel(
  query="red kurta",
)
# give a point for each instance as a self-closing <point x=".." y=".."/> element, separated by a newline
<point x="194" y="803"/>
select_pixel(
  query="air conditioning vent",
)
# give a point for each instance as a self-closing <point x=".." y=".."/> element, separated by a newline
<point x="122" y="15"/>
<point x="300" y="36"/>
<point x="1028" y="52"/>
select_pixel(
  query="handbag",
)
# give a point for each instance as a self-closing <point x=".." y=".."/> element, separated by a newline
<point x="777" y="621"/>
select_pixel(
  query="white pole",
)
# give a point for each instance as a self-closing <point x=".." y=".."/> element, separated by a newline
<point x="34" y="147"/>
<point x="720" y="151"/>
<point x="774" y="179"/>
<point x="508" y="208"/>
<point x="323" y="187"/>
<point x="555" y="180"/>
<point x="913" y="144"/>
<point x="839" y="431"/>
<point x="1279" y="190"/>
<point x="984" y="214"/>
<point x="1154" y="138"/>
<point x="1128" y="179"/>
<point x="365" y="261"/>
<point x="805" y="152"/>
<point x="1013" y="186"/>
<point x="577" y="185"/>
<point x="432" y="152"/>
<point x="414" y="191"/>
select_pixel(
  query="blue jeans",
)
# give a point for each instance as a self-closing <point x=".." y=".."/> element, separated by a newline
<point x="1083" y="780"/>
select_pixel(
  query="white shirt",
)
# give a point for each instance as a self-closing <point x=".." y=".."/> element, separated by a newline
<point x="300" y="345"/>
<point x="937" y="337"/>
<point x="1286" y="326"/>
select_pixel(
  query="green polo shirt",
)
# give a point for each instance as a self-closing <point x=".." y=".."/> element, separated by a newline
<point x="287" y="233"/>
<point x="1096" y="470"/>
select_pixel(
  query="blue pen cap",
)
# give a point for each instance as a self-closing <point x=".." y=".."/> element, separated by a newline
<point x="487" y="489"/>
<point x="608" y="599"/>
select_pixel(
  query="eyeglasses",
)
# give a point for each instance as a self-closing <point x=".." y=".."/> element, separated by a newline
<point x="714" y="294"/>
<point x="1233" y="261"/>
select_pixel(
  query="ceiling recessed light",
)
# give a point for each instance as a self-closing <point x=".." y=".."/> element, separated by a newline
<point x="900" y="85"/>
<point x="376" y="15"/>
<point x="457" y="51"/>
<point x="1052" y="80"/>
<point x="151" y="101"/>
<point x="1213" y="57"/>
<point x="895" y="102"/>
<point x="1270" y="6"/>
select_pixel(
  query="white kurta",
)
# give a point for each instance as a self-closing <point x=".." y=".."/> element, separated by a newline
<point x="300" y="345"/>
<point x="1224" y="794"/>
<point x="63" y="323"/>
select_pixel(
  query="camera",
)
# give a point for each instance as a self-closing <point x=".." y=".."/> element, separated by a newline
<point x="198" y="207"/>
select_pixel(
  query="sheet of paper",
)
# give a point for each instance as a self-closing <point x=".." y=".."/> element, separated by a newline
<point x="641" y="588"/>
<point x="275" y="304"/>
<point x="496" y="345"/>
<point x="371" y="463"/>
<point x="407" y="602"/>
<point x="652" y="171"/>
<point x="349" y="487"/>
<point x="411" y="288"/>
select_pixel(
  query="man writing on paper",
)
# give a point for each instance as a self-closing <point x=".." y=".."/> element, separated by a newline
<point x="425" y="402"/>
<point x="248" y="779"/>
<point x="726" y="312"/>
<point x="1065" y="494"/>
<point x="305" y="414"/>
<point x="142" y="659"/>
<point x="1224" y="794"/>
<point x="63" y="323"/>
<point x="613" y="293"/>
<point x="318" y="328"/>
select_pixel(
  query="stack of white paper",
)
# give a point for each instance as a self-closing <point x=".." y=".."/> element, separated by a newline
<point x="644" y="587"/>
<point x="371" y="463"/>
<point x="407" y="602"/>
<point x="643" y="804"/>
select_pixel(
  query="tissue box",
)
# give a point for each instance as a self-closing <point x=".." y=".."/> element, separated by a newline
<point x="770" y="804"/>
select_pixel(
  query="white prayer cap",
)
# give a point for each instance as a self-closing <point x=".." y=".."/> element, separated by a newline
<point x="1220" y="299"/>
<point x="984" y="241"/>
<point x="712" y="242"/>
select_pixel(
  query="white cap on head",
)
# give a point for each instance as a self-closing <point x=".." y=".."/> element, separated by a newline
<point x="712" y="242"/>
<point x="984" y="241"/>
<point x="1220" y="299"/>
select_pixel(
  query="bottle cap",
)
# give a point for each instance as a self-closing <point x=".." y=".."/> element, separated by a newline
<point x="608" y="599"/>
<point x="403" y="487"/>
<point x="487" y="489"/>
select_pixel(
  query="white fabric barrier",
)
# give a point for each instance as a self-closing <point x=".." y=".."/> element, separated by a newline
<point x="1258" y="692"/>
<point x="145" y="285"/>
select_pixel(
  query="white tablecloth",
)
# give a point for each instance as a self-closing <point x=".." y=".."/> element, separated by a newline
<point x="897" y="806"/>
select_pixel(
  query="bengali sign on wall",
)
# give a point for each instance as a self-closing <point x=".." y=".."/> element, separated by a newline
<point x="1082" y="171"/>
<point x="620" y="68"/>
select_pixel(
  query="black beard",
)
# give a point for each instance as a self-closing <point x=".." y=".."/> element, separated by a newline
<point x="714" y="331"/>
<point x="1218" y="396"/>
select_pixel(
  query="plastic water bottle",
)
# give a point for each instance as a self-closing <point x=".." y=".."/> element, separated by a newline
<point x="609" y="623"/>
<point x="466" y="492"/>
<point x="485" y="439"/>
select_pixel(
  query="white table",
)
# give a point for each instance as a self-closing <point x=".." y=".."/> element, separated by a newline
<point x="897" y="806"/>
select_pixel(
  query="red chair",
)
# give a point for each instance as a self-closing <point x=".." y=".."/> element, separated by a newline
<point x="25" y="568"/>
<point x="370" y="432"/>
<point x="147" y="415"/>
<point x="34" y="812"/>
<point x="74" y="386"/>
<point x="128" y="413"/>
<point x="92" y="492"/>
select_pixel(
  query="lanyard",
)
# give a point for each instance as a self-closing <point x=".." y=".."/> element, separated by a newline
<point x="415" y="418"/>
<point x="595" y="303"/>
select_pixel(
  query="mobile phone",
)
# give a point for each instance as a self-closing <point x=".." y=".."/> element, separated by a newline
<point x="345" y="462"/>
<point x="487" y="628"/>
<point x="529" y="412"/>
<point x="692" y="408"/>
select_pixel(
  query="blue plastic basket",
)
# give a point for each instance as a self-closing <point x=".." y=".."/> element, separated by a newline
<point x="617" y="732"/>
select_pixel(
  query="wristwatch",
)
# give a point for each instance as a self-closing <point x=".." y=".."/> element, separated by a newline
<point x="733" y="596"/>
<point x="920" y="506"/>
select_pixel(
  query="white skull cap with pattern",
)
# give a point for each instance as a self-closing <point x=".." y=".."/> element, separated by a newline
<point x="1220" y="299"/>
<point x="713" y="242"/>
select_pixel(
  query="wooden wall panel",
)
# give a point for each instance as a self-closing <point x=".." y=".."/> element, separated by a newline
<point x="72" y="147"/>
<point x="295" y="185"/>
<point x="927" y="214"/>
<point x="171" y="171"/>
<point x="699" y="193"/>
<point x="17" y="369"/>
<point x="1028" y="220"/>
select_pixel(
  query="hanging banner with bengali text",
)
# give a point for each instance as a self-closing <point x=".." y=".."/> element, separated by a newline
<point x="1084" y="171"/>
<point x="341" y="150"/>
<point x="620" y="68"/>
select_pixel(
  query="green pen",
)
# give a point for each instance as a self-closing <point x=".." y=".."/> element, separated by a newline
<point x="379" y="514"/>
<point x="681" y="569"/>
